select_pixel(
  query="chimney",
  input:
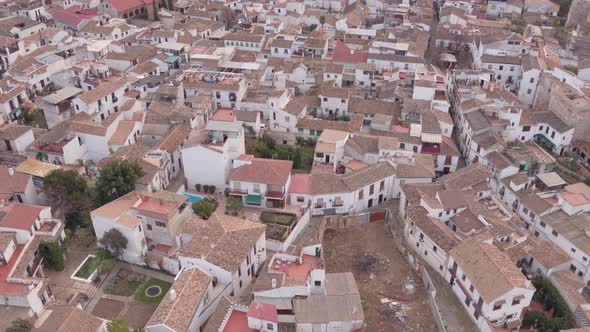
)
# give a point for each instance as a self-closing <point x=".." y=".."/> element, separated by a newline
<point x="173" y="295"/>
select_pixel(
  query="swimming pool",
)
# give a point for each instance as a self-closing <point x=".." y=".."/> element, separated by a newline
<point x="193" y="198"/>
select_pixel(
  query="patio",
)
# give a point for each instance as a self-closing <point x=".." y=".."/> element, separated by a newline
<point x="249" y="213"/>
<point x="296" y="271"/>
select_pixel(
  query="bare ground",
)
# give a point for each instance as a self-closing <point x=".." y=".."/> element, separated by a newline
<point x="368" y="251"/>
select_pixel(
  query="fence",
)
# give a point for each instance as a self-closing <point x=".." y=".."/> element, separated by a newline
<point x="301" y="224"/>
<point x="431" y="291"/>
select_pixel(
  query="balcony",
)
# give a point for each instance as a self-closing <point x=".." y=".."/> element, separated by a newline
<point x="338" y="204"/>
<point x="275" y="195"/>
<point x="319" y="205"/>
<point x="434" y="149"/>
<point x="238" y="192"/>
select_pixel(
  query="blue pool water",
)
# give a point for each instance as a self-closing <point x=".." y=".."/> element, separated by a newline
<point x="193" y="198"/>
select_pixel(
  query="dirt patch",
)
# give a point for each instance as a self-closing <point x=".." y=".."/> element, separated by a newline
<point x="369" y="253"/>
<point x="138" y="314"/>
<point x="108" y="309"/>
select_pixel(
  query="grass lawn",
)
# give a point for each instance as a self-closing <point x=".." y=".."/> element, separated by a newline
<point x="125" y="283"/>
<point x="141" y="296"/>
<point x="86" y="270"/>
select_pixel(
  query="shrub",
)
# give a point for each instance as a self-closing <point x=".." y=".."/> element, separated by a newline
<point x="198" y="187"/>
<point x="20" y="325"/>
<point x="212" y="189"/>
<point x="206" y="188"/>
<point x="53" y="254"/>
<point x="205" y="207"/>
<point x="234" y="205"/>
<point x="550" y="298"/>
<point x="532" y="317"/>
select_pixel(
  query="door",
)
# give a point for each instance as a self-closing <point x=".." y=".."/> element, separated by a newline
<point x="370" y="204"/>
<point x="327" y="159"/>
<point x="380" y="198"/>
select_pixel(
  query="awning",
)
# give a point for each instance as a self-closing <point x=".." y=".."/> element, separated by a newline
<point x="172" y="59"/>
<point x="254" y="199"/>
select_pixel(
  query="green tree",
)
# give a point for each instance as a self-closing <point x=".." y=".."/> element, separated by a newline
<point x="118" y="326"/>
<point x="234" y="205"/>
<point x="297" y="159"/>
<point x="117" y="179"/>
<point x="114" y="241"/>
<point x="69" y="194"/>
<point x="20" y="325"/>
<point x="322" y="20"/>
<point x="204" y="208"/>
<point x="53" y="253"/>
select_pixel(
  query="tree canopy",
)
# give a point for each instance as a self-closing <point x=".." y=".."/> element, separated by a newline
<point x="117" y="179"/>
<point x="114" y="241"/>
<point x="68" y="192"/>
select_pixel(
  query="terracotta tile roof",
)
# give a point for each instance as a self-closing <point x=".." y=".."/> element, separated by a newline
<point x="263" y="311"/>
<point x="105" y="89"/>
<point x="353" y="126"/>
<point x="123" y="131"/>
<point x="222" y="240"/>
<point x="490" y="270"/>
<point x="343" y="53"/>
<point x="267" y="171"/>
<point x="16" y="183"/>
<point x="175" y="138"/>
<point x="126" y="5"/>
<point x="466" y="177"/>
<point x="80" y="320"/>
<point x="178" y="311"/>
<point x="21" y="216"/>
<point x="332" y="183"/>
<point x="300" y="184"/>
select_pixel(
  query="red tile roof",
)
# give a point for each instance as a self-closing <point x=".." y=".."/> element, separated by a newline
<point x="266" y="171"/>
<point x="237" y="322"/>
<point x="300" y="184"/>
<point x="343" y="53"/>
<point x="6" y="287"/>
<point x="21" y="216"/>
<point x="75" y="15"/>
<point x="125" y="5"/>
<point x="263" y="311"/>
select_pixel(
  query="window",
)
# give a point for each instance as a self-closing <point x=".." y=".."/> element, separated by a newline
<point x="270" y="326"/>
<point x="149" y="227"/>
<point x="239" y="271"/>
<point x="371" y="189"/>
<point x="415" y="149"/>
<point x="584" y="259"/>
<point x="361" y="194"/>
<point x="529" y="91"/>
<point x="440" y="267"/>
<point x="325" y="99"/>
<point x="471" y="288"/>
<point x="463" y="277"/>
<point x="532" y="80"/>
<point x="342" y="101"/>
<point x="497" y="307"/>
<point x="382" y="185"/>
<point x="515" y="301"/>
<point x="440" y="214"/>
<point x="543" y="224"/>
<point x="300" y="199"/>
<point x="402" y="145"/>
<point x="555" y="233"/>
<point x="573" y="250"/>
<point x="501" y="67"/>
<point x="573" y="268"/>
<point x="160" y="224"/>
<point x="526" y="128"/>
<point x="434" y="248"/>
<point x="511" y="68"/>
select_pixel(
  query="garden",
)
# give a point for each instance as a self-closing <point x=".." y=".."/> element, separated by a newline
<point x="556" y="315"/>
<point x="278" y="224"/>
<point x="301" y="154"/>
<point x="143" y="288"/>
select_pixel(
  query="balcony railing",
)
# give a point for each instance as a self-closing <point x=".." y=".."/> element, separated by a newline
<point x="238" y="192"/>
<point x="275" y="195"/>
<point x="337" y="204"/>
<point x="431" y="149"/>
<point x="319" y="206"/>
